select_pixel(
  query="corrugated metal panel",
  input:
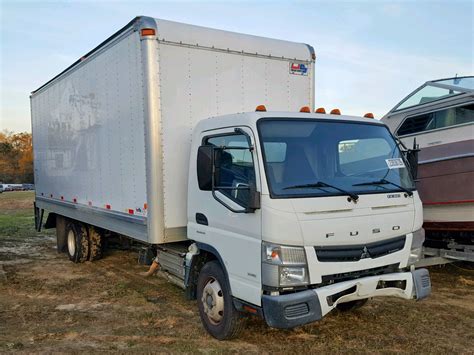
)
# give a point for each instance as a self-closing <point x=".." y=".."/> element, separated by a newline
<point x="197" y="84"/>
<point x="88" y="129"/>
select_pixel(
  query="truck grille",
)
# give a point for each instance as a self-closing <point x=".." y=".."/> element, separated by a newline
<point x="362" y="251"/>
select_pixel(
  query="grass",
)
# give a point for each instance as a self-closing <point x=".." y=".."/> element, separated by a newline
<point x="17" y="217"/>
<point x="115" y="309"/>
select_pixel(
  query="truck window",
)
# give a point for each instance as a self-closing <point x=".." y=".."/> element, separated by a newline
<point x="237" y="166"/>
<point x="439" y="119"/>
<point x="356" y="156"/>
<point x="344" y="155"/>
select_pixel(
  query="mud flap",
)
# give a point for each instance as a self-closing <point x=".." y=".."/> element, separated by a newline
<point x="421" y="278"/>
<point x="39" y="212"/>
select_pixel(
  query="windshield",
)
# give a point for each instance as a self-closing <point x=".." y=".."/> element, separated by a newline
<point x="304" y="157"/>
<point x="431" y="92"/>
<point x="466" y="82"/>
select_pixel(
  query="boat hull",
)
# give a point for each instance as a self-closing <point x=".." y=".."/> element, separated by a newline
<point x="446" y="186"/>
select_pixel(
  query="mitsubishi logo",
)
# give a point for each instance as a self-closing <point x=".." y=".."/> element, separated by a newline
<point x="365" y="254"/>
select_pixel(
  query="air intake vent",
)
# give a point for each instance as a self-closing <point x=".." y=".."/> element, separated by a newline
<point x="296" y="310"/>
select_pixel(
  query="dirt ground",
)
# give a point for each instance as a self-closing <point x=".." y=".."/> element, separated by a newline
<point x="48" y="304"/>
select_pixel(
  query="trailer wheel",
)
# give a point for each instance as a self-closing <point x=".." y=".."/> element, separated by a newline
<point x="95" y="240"/>
<point x="216" y="308"/>
<point x="77" y="241"/>
<point x="351" y="305"/>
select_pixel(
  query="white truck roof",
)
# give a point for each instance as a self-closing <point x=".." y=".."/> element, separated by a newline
<point x="204" y="37"/>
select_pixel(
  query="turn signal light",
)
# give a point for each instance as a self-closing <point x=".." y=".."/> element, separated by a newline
<point x="369" y="115"/>
<point x="335" y="111"/>
<point x="261" y="108"/>
<point x="148" y="32"/>
<point x="305" y="109"/>
<point x="320" y="110"/>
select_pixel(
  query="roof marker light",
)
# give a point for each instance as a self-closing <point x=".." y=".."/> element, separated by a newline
<point x="261" y="108"/>
<point x="335" y="111"/>
<point x="320" y="110"/>
<point x="148" y="32"/>
<point x="369" y="115"/>
<point x="305" y="109"/>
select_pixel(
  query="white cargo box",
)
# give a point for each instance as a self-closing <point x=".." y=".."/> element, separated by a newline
<point x="112" y="132"/>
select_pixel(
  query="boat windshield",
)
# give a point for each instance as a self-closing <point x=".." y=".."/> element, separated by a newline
<point x="463" y="83"/>
<point x="309" y="157"/>
<point x="436" y="90"/>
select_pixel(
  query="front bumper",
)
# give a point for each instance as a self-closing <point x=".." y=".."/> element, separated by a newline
<point x="291" y="310"/>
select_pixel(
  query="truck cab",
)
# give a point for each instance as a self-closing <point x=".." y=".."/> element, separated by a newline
<point x="304" y="213"/>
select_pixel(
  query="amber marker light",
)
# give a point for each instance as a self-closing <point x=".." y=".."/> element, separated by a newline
<point x="147" y="32"/>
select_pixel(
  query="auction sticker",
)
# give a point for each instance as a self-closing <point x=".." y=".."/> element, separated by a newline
<point x="395" y="163"/>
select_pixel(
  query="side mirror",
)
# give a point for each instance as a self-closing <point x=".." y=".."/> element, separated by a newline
<point x="412" y="158"/>
<point x="254" y="199"/>
<point x="205" y="167"/>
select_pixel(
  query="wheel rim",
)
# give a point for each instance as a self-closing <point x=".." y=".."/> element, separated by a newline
<point x="71" y="243"/>
<point x="213" y="301"/>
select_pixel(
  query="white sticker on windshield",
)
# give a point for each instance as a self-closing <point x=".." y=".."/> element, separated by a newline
<point x="395" y="163"/>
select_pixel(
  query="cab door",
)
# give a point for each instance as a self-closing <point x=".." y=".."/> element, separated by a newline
<point x="221" y="218"/>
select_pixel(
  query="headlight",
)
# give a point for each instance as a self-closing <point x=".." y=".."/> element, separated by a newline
<point x="283" y="266"/>
<point x="416" y="246"/>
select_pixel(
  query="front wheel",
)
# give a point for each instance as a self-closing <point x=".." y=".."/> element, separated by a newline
<point x="216" y="308"/>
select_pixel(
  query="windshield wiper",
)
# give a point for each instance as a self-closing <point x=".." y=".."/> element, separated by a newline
<point x="321" y="184"/>
<point x="384" y="182"/>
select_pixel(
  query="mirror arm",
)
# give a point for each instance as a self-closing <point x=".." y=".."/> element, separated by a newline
<point x="245" y="210"/>
<point x="213" y="189"/>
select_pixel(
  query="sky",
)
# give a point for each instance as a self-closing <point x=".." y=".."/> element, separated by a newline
<point x="370" y="54"/>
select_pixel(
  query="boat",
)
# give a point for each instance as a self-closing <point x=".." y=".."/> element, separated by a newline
<point x="439" y="118"/>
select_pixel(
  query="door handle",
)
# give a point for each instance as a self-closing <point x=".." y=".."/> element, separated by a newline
<point x="201" y="219"/>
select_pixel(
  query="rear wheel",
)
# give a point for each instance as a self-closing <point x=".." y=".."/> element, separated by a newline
<point x="61" y="233"/>
<point x="216" y="308"/>
<point x="351" y="305"/>
<point x="95" y="240"/>
<point x="77" y="242"/>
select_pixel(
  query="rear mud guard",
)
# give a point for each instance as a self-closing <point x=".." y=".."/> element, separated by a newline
<point x="39" y="213"/>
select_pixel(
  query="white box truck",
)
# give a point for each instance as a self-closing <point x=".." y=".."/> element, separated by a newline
<point x="285" y="214"/>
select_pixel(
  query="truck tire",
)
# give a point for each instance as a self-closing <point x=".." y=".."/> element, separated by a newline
<point x="351" y="305"/>
<point x="95" y="244"/>
<point x="61" y="233"/>
<point x="216" y="308"/>
<point x="77" y="242"/>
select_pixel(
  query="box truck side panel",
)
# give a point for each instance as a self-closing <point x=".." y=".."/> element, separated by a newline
<point x="89" y="146"/>
<point x="197" y="83"/>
